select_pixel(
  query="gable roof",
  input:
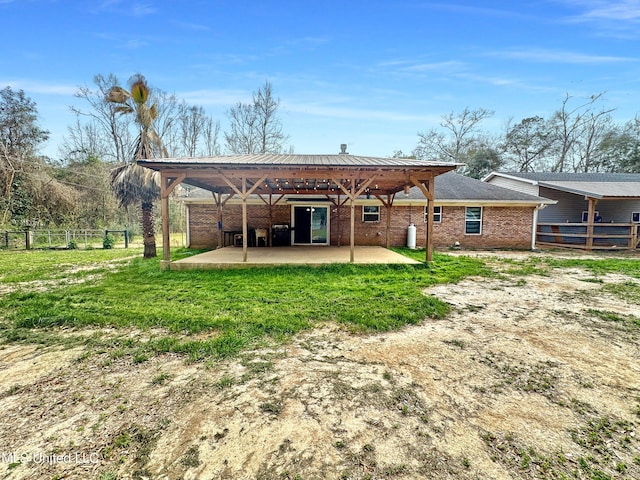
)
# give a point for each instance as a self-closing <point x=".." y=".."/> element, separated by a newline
<point x="596" y="185"/>
<point x="298" y="174"/>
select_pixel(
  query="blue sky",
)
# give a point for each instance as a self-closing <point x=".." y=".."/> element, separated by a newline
<point x="368" y="73"/>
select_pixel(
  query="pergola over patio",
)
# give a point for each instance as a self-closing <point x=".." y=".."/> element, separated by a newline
<point x="272" y="176"/>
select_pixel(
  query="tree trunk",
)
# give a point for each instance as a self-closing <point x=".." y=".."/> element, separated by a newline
<point x="148" y="230"/>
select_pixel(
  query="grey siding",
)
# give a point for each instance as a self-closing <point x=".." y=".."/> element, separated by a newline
<point x="570" y="207"/>
<point x="617" y="211"/>
<point x="518" y="186"/>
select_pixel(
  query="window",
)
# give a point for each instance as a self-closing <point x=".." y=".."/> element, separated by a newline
<point x="635" y="217"/>
<point x="473" y="220"/>
<point x="585" y="215"/>
<point x="371" y="213"/>
<point x="437" y="214"/>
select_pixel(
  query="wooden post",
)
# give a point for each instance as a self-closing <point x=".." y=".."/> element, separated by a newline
<point x="338" y="209"/>
<point x="218" y="199"/>
<point x="352" y="235"/>
<point x="166" y="187"/>
<point x="28" y="238"/>
<point x="245" y="229"/>
<point x="166" y="246"/>
<point x="590" y="222"/>
<point x="389" y="205"/>
<point x="429" y="246"/>
<point x="352" y="194"/>
<point x="427" y="188"/>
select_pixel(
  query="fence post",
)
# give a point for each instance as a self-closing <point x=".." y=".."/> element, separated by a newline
<point x="126" y="239"/>
<point x="28" y="238"/>
<point x="6" y="238"/>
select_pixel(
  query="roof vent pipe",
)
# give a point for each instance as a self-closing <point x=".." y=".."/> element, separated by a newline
<point x="343" y="149"/>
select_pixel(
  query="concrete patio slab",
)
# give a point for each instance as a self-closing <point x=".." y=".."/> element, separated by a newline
<point x="231" y="257"/>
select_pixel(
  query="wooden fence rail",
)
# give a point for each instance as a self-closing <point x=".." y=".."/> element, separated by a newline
<point x="589" y="236"/>
<point x="58" y="238"/>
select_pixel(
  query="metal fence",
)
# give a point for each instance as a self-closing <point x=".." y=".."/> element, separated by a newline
<point x="58" y="238"/>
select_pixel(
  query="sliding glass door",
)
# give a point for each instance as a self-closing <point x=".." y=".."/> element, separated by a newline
<point x="310" y="225"/>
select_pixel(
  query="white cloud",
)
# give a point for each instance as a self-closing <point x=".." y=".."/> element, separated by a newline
<point x="625" y="10"/>
<point x="351" y="113"/>
<point x="618" y="19"/>
<point x="37" y="87"/>
<point x="558" y="56"/>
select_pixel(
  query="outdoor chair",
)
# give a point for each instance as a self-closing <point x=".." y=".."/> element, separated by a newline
<point x="261" y="233"/>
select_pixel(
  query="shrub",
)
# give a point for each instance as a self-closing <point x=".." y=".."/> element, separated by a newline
<point x="108" y="241"/>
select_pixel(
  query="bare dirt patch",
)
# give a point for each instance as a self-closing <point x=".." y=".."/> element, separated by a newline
<point x="524" y="379"/>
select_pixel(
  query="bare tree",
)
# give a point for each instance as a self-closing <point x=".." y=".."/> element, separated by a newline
<point x="597" y="130"/>
<point x="105" y="116"/>
<point x="255" y="127"/>
<point x="167" y="123"/>
<point x="527" y="144"/>
<point x="570" y="128"/>
<point x="456" y="138"/>
<point x="211" y="134"/>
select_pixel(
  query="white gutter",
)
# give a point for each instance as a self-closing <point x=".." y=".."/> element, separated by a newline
<point x="534" y="232"/>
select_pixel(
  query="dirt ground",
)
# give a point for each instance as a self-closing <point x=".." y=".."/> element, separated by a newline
<point x="532" y="376"/>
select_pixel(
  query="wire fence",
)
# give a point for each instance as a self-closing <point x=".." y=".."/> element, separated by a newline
<point x="58" y="238"/>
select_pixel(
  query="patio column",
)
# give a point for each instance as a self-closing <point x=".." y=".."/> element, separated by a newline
<point x="427" y="188"/>
<point x="218" y="199"/>
<point x="388" y="204"/>
<point x="245" y="235"/>
<point x="244" y="194"/>
<point x="352" y="231"/>
<point x="591" y="215"/>
<point x="353" y="194"/>
<point x="167" y="184"/>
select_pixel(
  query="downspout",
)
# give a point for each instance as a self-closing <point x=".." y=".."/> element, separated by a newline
<point x="534" y="232"/>
<point x="188" y="226"/>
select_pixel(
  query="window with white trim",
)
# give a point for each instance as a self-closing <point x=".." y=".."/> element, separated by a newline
<point x="585" y="216"/>
<point x="473" y="220"/>
<point x="371" y="213"/>
<point x="437" y="214"/>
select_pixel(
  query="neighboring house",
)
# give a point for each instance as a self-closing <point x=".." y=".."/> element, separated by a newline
<point x="472" y="213"/>
<point x="593" y="210"/>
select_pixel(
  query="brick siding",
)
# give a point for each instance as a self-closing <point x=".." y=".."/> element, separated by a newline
<point x="502" y="227"/>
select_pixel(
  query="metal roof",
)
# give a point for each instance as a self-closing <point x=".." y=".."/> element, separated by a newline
<point x="298" y="174"/>
<point x="297" y="160"/>
<point x="596" y="185"/>
<point x="592" y="177"/>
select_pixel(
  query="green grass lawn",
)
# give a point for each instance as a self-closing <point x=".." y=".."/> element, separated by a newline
<point x="215" y="313"/>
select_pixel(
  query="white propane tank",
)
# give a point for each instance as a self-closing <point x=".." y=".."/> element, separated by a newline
<point x="411" y="236"/>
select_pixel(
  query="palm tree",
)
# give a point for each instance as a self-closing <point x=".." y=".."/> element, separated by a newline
<point x="130" y="182"/>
